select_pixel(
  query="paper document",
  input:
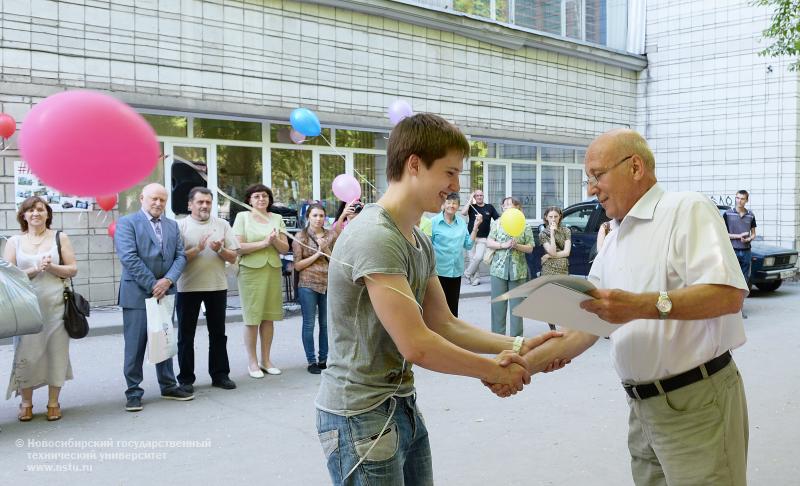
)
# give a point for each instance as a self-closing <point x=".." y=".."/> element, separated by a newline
<point x="556" y="299"/>
<point x="571" y="281"/>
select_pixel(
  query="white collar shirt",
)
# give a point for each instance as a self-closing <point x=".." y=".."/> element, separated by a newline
<point x="668" y="241"/>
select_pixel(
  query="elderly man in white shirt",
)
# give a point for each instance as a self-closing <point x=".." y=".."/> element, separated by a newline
<point x="668" y="276"/>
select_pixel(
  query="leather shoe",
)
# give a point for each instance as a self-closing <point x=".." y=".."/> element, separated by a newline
<point x="322" y="365"/>
<point x="177" y="393"/>
<point x="134" y="404"/>
<point x="224" y="383"/>
<point x="188" y="388"/>
<point x="314" y="369"/>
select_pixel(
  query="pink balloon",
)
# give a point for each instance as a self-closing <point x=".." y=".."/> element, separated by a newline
<point x="398" y="110"/>
<point x="112" y="228"/>
<point x="85" y="143"/>
<point x="346" y="187"/>
<point x="296" y="136"/>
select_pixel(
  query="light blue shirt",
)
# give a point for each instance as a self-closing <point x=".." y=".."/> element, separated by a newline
<point x="449" y="239"/>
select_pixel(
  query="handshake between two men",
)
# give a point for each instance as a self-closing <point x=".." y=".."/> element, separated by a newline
<point x="516" y="369"/>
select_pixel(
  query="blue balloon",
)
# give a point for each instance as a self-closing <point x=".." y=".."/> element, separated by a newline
<point x="306" y="122"/>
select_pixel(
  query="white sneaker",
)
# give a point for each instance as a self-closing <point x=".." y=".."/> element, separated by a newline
<point x="475" y="281"/>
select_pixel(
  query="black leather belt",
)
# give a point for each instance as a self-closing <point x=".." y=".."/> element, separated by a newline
<point x="648" y="390"/>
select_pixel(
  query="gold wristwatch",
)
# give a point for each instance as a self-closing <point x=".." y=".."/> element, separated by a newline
<point x="664" y="305"/>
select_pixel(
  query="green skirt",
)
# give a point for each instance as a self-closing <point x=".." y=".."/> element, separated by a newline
<point x="260" y="293"/>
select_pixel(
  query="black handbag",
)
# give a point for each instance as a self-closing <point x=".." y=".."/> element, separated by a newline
<point x="76" y="308"/>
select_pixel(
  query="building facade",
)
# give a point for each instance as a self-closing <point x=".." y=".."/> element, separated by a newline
<point x="530" y="81"/>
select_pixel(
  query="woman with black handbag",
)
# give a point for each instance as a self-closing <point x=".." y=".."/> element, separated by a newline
<point x="43" y="358"/>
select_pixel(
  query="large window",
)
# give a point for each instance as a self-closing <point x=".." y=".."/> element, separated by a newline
<point x="291" y="177"/>
<point x="237" y="168"/>
<point x="364" y="165"/>
<point x="236" y="153"/>
<point x="330" y="166"/>
<point x="576" y="192"/>
<point x="227" y="129"/>
<point x="496" y="185"/>
<point x="601" y="22"/>
<point x="552" y="186"/>
<point x="128" y="201"/>
<point x="475" y="175"/>
<point x="523" y="187"/>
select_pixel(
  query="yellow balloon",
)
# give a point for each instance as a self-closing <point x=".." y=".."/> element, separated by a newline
<point x="513" y="222"/>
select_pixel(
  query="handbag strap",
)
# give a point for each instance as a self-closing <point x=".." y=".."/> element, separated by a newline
<point x="61" y="261"/>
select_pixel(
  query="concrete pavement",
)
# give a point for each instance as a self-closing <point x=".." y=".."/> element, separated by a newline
<point x="568" y="428"/>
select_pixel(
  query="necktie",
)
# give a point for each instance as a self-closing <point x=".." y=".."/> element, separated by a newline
<point x="157" y="227"/>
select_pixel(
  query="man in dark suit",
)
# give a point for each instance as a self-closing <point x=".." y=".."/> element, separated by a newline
<point x="151" y="251"/>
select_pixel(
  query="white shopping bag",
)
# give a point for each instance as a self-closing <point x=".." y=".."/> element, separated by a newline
<point x="162" y="344"/>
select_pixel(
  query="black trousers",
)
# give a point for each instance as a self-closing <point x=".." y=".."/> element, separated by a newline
<point x="187" y="305"/>
<point x="452" y="292"/>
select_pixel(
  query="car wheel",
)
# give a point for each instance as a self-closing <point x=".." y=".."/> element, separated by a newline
<point x="769" y="286"/>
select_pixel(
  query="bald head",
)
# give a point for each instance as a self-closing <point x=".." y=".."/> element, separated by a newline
<point x="621" y="169"/>
<point x="153" y="199"/>
<point x="622" y="142"/>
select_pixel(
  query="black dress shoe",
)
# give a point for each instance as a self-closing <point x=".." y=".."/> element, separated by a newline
<point x="188" y="388"/>
<point x="314" y="369"/>
<point x="133" y="404"/>
<point x="177" y="393"/>
<point x="224" y="383"/>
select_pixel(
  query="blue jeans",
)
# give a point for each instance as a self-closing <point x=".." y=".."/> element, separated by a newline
<point x="744" y="257"/>
<point x="310" y="301"/>
<point x="401" y="456"/>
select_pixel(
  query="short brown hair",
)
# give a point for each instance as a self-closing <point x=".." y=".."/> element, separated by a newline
<point x="254" y="188"/>
<point x="428" y="136"/>
<point x="29" y="204"/>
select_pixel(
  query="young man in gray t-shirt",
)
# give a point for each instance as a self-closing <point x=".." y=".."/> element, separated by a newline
<point x="387" y="311"/>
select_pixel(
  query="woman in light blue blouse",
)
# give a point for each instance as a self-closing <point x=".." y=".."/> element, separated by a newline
<point x="450" y="238"/>
<point x="508" y="269"/>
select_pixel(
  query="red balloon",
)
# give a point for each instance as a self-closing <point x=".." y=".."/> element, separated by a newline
<point x="112" y="228"/>
<point x="107" y="203"/>
<point x="7" y="125"/>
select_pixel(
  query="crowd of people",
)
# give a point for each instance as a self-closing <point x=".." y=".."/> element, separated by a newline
<point x="188" y="258"/>
<point x="401" y="285"/>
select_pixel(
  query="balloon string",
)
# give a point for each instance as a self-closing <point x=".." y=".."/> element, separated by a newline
<point x="359" y="174"/>
<point x="335" y="260"/>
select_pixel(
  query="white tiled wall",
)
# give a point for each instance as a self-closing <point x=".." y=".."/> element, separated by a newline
<point x="719" y="117"/>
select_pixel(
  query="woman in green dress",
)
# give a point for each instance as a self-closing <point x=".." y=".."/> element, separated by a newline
<point x="262" y="236"/>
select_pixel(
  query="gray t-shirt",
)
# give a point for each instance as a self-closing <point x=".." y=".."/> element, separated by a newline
<point x="364" y="364"/>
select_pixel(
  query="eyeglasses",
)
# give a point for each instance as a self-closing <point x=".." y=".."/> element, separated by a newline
<point x="259" y="196"/>
<point x="592" y="181"/>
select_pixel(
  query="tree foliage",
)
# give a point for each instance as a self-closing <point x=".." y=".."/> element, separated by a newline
<point x="784" y="30"/>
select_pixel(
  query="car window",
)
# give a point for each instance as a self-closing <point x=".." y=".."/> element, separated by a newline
<point x="578" y="218"/>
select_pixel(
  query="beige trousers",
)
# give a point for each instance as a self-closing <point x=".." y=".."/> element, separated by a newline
<point x="696" y="435"/>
